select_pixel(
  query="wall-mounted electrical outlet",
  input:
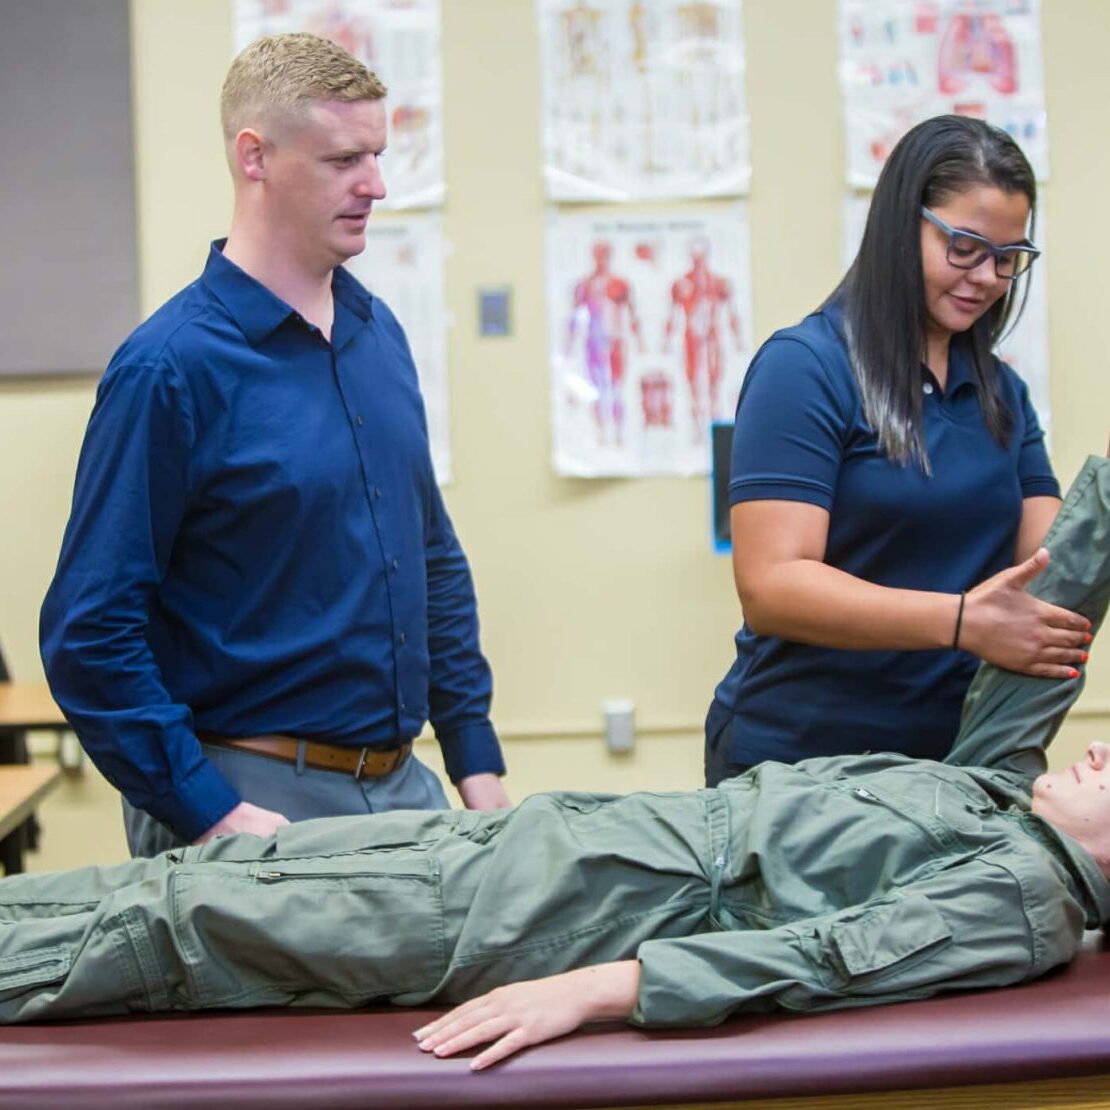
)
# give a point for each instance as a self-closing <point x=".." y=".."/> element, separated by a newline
<point x="620" y="724"/>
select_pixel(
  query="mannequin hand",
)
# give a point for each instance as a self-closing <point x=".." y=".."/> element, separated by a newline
<point x="1012" y="629"/>
<point x="528" y="1013"/>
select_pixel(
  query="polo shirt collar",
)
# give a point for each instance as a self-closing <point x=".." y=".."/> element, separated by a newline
<point x="256" y="310"/>
<point x="961" y="368"/>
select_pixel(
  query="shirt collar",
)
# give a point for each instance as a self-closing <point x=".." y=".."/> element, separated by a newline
<point x="1083" y="867"/>
<point x="961" y="368"/>
<point x="256" y="310"/>
<point x="349" y="292"/>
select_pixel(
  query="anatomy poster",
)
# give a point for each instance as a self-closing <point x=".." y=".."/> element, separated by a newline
<point x="902" y="61"/>
<point x="649" y="334"/>
<point x="404" y="265"/>
<point x="1025" y="348"/>
<point x="400" y="41"/>
<point x="643" y="99"/>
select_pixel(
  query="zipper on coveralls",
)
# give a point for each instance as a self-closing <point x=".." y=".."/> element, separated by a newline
<point x="279" y="876"/>
<point x="865" y="795"/>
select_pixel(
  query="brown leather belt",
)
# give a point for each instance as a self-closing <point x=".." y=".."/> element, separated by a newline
<point x="362" y="763"/>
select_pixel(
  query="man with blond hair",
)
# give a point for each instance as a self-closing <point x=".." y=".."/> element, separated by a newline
<point x="260" y="598"/>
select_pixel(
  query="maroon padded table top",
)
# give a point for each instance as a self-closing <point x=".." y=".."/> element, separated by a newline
<point x="1054" y="1028"/>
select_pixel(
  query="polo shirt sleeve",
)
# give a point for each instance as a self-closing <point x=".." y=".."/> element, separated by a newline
<point x="1034" y="469"/>
<point x="792" y="422"/>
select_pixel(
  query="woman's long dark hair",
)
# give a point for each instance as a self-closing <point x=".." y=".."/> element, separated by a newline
<point x="883" y="292"/>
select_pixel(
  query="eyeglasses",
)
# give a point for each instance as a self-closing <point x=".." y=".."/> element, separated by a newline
<point x="966" y="250"/>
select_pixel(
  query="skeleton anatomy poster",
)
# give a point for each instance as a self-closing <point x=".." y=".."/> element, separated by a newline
<point x="403" y="264"/>
<point x="902" y="61"/>
<point x="400" y="41"/>
<point x="1025" y="347"/>
<point x="649" y="333"/>
<point x="643" y="99"/>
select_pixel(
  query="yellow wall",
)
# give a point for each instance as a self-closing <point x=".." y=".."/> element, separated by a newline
<point x="588" y="589"/>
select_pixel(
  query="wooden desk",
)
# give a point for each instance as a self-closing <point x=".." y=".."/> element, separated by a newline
<point x="27" y="705"/>
<point x="23" y="706"/>
<point x="22" y="787"/>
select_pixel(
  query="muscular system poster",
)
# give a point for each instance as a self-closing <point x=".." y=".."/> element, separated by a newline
<point x="649" y="335"/>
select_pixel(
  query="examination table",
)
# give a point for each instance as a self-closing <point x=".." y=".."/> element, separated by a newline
<point x="1045" y="1044"/>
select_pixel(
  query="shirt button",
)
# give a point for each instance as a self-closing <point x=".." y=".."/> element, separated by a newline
<point x="377" y="491"/>
<point x="403" y="706"/>
<point x="358" y="421"/>
<point x="928" y="387"/>
<point x="396" y="564"/>
<point x="401" y="637"/>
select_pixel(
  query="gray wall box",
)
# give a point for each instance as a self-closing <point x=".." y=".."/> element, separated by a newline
<point x="69" y="279"/>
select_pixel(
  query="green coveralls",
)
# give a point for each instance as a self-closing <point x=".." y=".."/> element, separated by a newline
<point x="836" y="882"/>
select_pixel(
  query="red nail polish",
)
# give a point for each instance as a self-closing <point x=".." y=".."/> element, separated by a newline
<point x="1089" y="638"/>
<point x="1074" y="673"/>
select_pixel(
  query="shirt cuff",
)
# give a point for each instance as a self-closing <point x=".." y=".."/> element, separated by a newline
<point x="201" y="799"/>
<point x="471" y="750"/>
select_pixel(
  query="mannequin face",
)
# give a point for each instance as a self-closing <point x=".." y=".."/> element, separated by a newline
<point x="1077" y="801"/>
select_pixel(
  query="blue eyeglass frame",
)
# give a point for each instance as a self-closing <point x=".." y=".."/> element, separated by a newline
<point x="989" y="249"/>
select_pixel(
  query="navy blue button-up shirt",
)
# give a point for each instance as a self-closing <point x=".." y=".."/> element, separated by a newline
<point x="257" y="545"/>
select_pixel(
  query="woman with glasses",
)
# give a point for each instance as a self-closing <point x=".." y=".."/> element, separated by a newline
<point x="890" y="487"/>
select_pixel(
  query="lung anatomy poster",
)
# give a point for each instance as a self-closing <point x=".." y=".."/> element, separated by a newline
<point x="902" y="61"/>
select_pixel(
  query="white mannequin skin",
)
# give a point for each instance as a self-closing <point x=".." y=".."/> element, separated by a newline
<point x="1077" y="801"/>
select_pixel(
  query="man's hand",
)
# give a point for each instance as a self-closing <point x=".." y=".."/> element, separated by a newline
<point x="483" y="791"/>
<point x="245" y="818"/>
<point x="1012" y="629"/>
<point x="538" y="1010"/>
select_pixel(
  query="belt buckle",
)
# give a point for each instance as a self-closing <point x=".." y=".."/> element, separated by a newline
<point x="361" y="763"/>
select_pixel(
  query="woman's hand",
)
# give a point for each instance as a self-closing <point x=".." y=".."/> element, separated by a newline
<point x="1012" y="629"/>
<point x="534" y="1011"/>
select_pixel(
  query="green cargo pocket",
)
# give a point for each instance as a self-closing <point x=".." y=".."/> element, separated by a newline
<point x="33" y="969"/>
<point x="332" y="930"/>
<point x="887" y="939"/>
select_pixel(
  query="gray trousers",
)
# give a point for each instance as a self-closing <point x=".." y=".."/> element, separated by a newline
<point x="298" y="792"/>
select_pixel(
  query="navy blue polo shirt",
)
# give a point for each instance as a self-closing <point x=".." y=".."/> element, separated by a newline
<point x="257" y="545"/>
<point x="801" y="436"/>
